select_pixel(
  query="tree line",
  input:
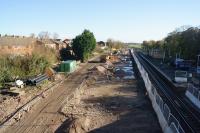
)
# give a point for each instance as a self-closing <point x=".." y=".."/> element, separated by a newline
<point x="114" y="44"/>
<point x="184" y="41"/>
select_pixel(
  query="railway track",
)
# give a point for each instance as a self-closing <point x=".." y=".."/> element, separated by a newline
<point x="187" y="118"/>
<point x="174" y="88"/>
<point x="45" y="114"/>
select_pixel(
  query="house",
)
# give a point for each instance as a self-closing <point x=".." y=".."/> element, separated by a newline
<point x="56" y="44"/>
<point x="49" y="43"/>
<point x="68" y="42"/>
<point x="21" y="45"/>
<point x="17" y="45"/>
<point x="60" y="44"/>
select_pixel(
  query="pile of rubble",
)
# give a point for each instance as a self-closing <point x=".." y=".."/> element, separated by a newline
<point x="84" y="115"/>
<point x="88" y="115"/>
<point x="119" y="70"/>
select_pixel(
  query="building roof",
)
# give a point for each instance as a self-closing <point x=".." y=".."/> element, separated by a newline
<point x="67" y="40"/>
<point x="47" y="41"/>
<point x="59" y="42"/>
<point x="52" y="41"/>
<point x="101" y="43"/>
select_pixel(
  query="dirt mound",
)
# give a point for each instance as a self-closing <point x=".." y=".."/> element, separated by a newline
<point x="99" y="70"/>
<point x="79" y="125"/>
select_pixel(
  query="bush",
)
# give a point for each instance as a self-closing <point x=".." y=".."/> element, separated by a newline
<point x="83" y="45"/>
<point x="22" y="67"/>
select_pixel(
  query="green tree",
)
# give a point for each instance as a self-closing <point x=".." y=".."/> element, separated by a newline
<point x="184" y="41"/>
<point x="83" y="45"/>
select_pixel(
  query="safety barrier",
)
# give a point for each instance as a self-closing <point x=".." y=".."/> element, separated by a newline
<point x="167" y="120"/>
<point x="193" y="93"/>
<point x="194" y="90"/>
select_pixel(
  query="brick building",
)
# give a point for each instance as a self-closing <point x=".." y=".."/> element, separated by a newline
<point x="17" y="45"/>
<point x="20" y="45"/>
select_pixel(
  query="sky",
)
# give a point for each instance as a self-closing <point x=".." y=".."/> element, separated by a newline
<point x="124" y="20"/>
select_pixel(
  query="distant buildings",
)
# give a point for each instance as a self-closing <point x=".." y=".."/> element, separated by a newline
<point x="17" y="45"/>
<point x="101" y="44"/>
<point x="55" y="44"/>
<point x="68" y="42"/>
<point x="20" y="45"/>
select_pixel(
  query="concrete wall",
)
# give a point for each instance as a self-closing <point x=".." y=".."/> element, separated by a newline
<point x="168" y="122"/>
<point x="193" y="93"/>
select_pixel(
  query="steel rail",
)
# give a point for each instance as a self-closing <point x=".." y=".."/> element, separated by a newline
<point x="187" y="119"/>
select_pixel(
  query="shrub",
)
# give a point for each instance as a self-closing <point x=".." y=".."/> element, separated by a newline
<point x="22" y="67"/>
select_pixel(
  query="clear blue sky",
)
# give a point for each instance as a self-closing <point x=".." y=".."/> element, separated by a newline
<point x="125" y="20"/>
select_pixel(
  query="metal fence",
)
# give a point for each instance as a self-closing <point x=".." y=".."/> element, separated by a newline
<point x="194" y="91"/>
<point x="172" y="122"/>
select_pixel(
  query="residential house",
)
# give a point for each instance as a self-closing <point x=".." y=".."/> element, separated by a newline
<point x="102" y="44"/>
<point x="20" y="45"/>
<point x="49" y="43"/>
<point x="60" y="44"/>
<point x="68" y="42"/>
<point x="55" y="44"/>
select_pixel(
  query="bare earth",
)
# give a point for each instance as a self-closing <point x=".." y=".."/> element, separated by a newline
<point x="45" y="117"/>
<point x="115" y="106"/>
<point x="104" y="106"/>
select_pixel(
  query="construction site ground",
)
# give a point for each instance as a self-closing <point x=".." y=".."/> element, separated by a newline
<point x="110" y="106"/>
<point x="105" y="105"/>
<point x="45" y="116"/>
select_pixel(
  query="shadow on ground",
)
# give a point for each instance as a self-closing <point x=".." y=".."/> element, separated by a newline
<point x="63" y="127"/>
<point x="135" y="114"/>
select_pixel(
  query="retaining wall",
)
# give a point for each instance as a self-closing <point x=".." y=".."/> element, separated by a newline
<point x="167" y="120"/>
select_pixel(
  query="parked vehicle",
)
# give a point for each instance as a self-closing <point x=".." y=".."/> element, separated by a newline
<point x="182" y="64"/>
<point x="181" y="76"/>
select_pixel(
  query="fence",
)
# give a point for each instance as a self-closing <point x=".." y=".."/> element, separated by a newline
<point x="167" y="120"/>
<point x="194" y="91"/>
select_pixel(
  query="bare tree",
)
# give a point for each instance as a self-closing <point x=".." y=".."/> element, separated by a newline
<point x="119" y="44"/>
<point x="32" y="35"/>
<point x="44" y="35"/>
<point x="110" y="43"/>
<point x="114" y="44"/>
<point x="55" y="36"/>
